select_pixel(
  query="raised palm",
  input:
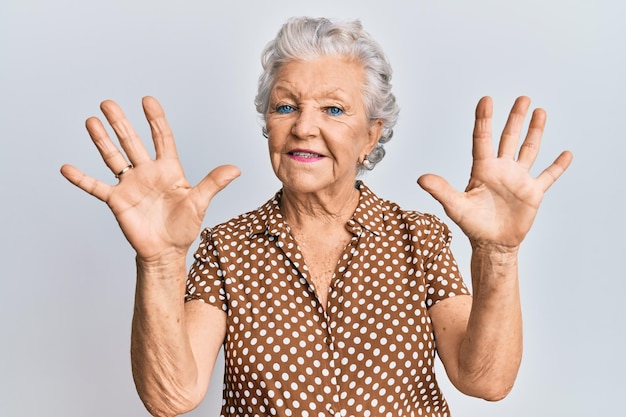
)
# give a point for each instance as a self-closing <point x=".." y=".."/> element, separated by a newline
<point x="501" y="200"/>
<point x="156" y="208"/>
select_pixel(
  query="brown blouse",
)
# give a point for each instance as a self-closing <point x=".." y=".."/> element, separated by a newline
<point x="371" y="353"/>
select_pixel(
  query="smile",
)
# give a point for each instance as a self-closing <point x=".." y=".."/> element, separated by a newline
<point x="304" y="156"/>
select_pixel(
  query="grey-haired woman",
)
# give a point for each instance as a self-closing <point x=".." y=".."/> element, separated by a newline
<point x="327" y="299"/>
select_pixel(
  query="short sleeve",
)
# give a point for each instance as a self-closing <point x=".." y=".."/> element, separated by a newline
<point x="205" y="279"/>
<point x="442" y="276"/>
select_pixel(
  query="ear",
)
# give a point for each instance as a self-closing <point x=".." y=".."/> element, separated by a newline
<point x="374" y="133"/>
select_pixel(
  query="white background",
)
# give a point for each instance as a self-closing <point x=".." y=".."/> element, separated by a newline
<point x="66" y="290"/>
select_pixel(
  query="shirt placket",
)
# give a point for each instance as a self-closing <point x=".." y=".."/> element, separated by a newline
<point x="289" y="248"/>
<point x="338" y="407"/>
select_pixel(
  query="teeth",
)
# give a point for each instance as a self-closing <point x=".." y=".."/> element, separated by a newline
<point x="305" y="154"/>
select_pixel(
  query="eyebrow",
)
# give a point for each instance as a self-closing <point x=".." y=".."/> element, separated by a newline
<point x="336" y="93"/>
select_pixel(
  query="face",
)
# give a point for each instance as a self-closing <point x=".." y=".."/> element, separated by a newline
<point x="317" y="125"/>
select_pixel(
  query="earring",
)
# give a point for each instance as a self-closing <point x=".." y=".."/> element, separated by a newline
<point x="366" y="163"/>
<point x="264" y="131"/>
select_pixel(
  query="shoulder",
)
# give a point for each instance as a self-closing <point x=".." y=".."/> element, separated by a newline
<point x="245" y="224"/>
<point x="393" y="213"/>
<point x="414" y="225"/>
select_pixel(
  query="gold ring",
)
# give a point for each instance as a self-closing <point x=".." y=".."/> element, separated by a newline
<point x="126" y="168"/>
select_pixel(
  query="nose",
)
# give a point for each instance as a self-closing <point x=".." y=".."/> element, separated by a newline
<point x="306" y="125"/>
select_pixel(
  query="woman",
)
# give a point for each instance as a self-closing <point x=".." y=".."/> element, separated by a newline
<point x="327" y="299"/>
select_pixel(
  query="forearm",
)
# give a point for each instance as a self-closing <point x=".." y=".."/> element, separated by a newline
<point x="491" y="351"/>
<point x="163" y="364"/>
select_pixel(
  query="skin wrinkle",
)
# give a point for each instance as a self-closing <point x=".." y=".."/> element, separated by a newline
<point x="174" y="397"/>
<point x="341" y="139"/>
<point x="501" y="260"/>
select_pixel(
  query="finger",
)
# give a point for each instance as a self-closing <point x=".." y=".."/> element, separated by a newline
<point x="86" y="183"/>
<point x="126" y="134"/>
<point x="530" y="147"/>
<point x="162" y="135"/>
<point x="483" y="148"/>
<point x="441" y="191"/>
<point x="513" y="128"/>
<point x="111" y="155"/>
<point x="555" y="170"/>
<point x="213" y="183"/>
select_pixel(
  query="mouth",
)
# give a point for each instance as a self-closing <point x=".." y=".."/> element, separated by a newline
<point x="305" y="154"/>
<point x="302" y="155"/>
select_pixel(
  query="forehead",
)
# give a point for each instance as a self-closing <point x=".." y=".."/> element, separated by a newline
<point x="320" y="77"/>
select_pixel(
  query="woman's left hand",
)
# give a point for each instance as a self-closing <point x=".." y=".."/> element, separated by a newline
<point x="501" y="200"/>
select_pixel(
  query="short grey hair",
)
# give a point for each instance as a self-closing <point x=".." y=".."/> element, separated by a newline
<point x="306" y="38"/>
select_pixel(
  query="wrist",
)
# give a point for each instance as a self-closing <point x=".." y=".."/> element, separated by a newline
<point x="492" y="249"/>
<point x="493" y="260"/>
<point x="161" y="283"/>
<point x="166" y="257"/>
<point x="168" y="264"/>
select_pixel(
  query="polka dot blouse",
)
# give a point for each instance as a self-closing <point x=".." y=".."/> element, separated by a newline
<point x="371" y="353"/>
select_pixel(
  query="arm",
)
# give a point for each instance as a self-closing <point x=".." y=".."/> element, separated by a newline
<point x="480" y="340"/>
<point x="174" y="345"/>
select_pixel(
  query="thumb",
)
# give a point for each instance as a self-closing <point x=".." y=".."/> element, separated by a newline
<point x="439" y="188"/>
<point x="214" y="182"/>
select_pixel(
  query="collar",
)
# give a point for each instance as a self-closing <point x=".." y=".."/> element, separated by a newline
<point x="368" y="216"/>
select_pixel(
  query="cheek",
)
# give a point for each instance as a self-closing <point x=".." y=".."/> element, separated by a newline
<point x="277" y="131"/>
<point x="273" y="144"/>
<point x="275" y="152"/>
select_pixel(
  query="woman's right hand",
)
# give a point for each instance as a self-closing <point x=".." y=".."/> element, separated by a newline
<point x="156" y="208"/>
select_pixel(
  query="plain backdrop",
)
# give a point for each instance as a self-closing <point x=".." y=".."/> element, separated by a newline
<point x="67" y="284"/>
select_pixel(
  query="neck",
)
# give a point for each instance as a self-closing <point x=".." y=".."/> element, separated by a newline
<point x="308" y="209"/>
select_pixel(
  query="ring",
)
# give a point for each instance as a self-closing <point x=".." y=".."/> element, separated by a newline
<point x="126" y="168"/>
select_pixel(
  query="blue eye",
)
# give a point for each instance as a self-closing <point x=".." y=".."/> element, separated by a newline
<point x="334" y="111"/>
<point x="284" y="109"/>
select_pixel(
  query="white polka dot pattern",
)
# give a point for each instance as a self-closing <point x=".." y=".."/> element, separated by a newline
<point x="371" y="353"/>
